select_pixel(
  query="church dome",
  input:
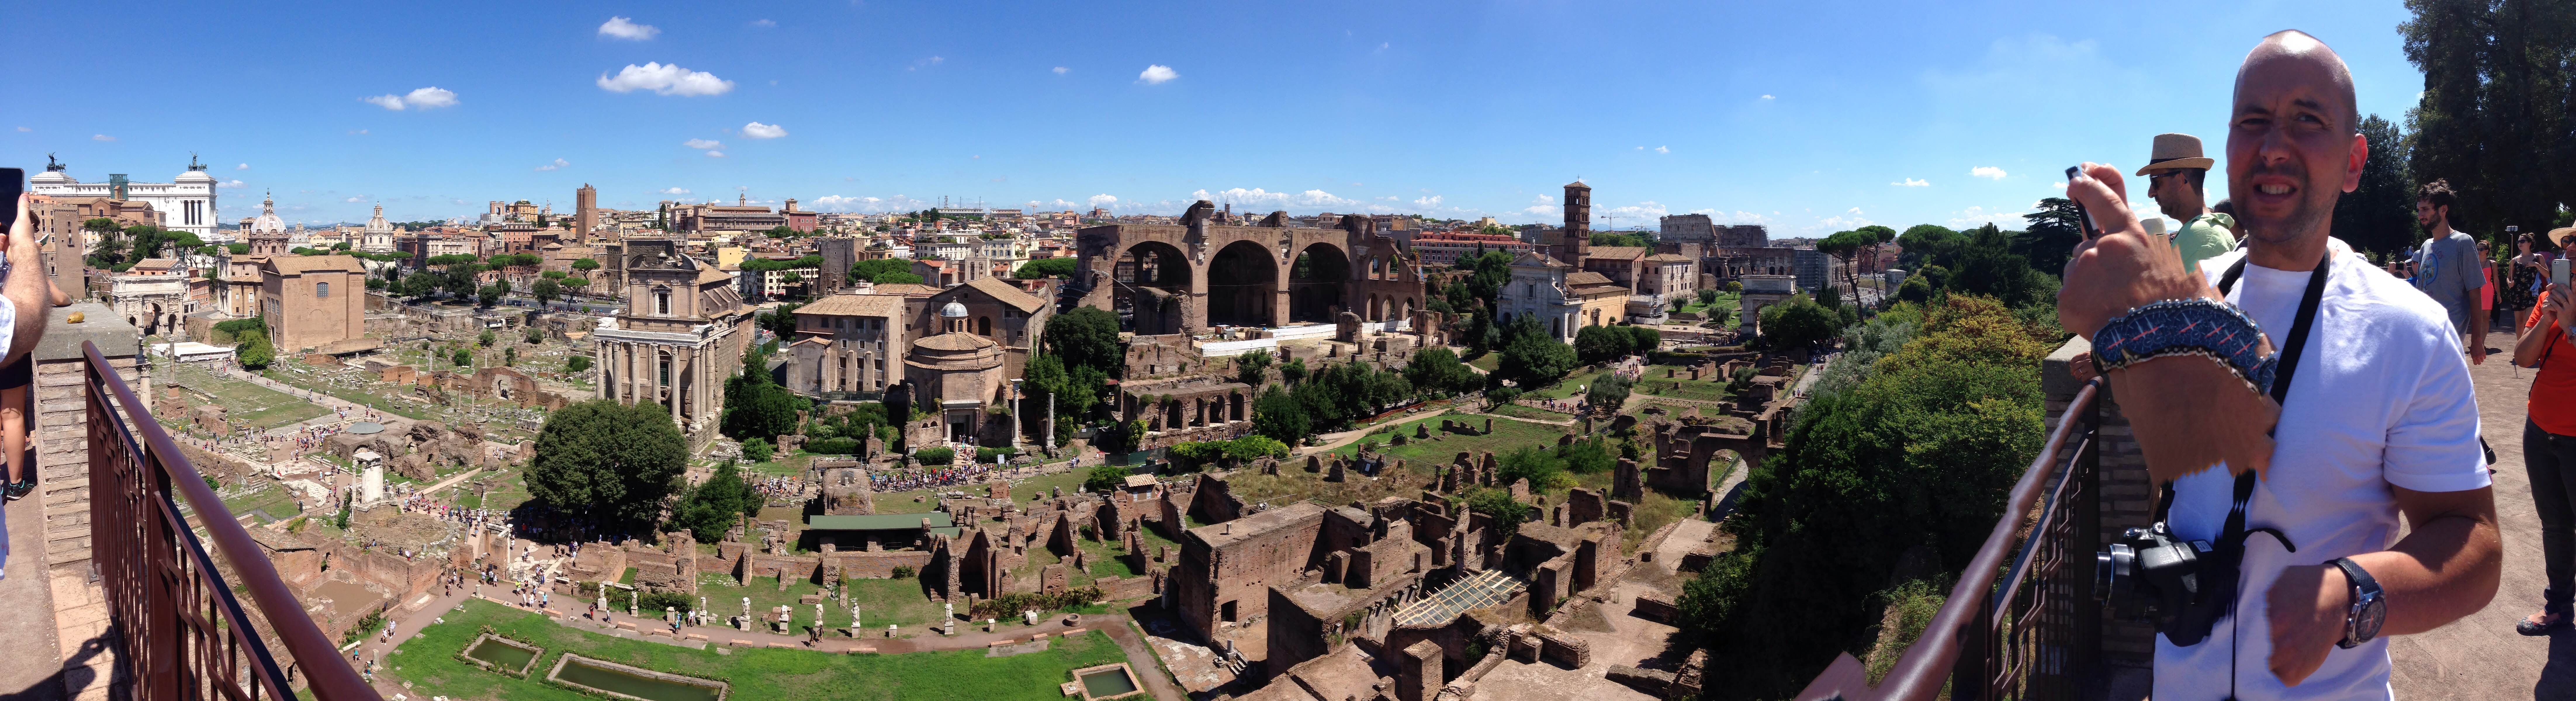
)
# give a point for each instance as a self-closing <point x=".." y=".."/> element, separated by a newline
<point x="193" y="177"/>
<point x="953" y="311"/>
<point x="268" y="219"/>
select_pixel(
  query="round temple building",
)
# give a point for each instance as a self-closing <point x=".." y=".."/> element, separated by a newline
<point x="956" y="373"/>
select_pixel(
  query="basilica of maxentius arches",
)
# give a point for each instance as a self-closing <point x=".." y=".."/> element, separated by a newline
<point x="1210" y="271"/>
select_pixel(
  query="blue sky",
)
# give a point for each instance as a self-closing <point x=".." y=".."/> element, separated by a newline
<point x="1808" y="116"/>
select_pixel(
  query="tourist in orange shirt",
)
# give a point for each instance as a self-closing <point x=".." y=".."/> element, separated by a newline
<point x="2548" y="344"/>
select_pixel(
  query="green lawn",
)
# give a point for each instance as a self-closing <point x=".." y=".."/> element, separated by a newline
<point x="1488" y="362"/>
<point x="429" y="661"/>
<point x="245" y="403"/>
<point x="265" y="496"/>
<point x="1508" y="434"/>
<point x="1528" y="412"/>
<point x="1682" y="387"/>
<point x="1568" y="387"/>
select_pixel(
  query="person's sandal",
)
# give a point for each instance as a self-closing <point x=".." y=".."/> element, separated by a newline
<point x="2527" y="627"/>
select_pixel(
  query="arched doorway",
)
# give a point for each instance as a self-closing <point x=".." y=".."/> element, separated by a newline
<point x="1153" y="281"/>
<point x="1315" y="283"/>
<point x="1243" y="281"/>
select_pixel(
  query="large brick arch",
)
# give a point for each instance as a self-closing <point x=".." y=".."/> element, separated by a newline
<point x="1201" y="241"/>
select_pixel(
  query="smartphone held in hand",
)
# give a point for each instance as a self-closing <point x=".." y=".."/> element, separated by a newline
<point x="2082" y="217"/>
<point x="12" y="182"/>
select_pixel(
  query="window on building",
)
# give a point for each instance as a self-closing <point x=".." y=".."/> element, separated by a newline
<point x="662" y="302"/>
<point x="666" y="372"/>
<point x="322" y="290"/>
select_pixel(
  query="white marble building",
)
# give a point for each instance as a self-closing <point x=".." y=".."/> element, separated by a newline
<point x="378" y="236"/>
<point x="185" y="204"/>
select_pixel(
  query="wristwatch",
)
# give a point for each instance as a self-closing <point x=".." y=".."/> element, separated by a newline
<point x="2369" y="608"/>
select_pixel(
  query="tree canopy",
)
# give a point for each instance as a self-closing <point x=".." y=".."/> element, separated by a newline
<point x="1045" y="268"/>
<point x="608" y="460"/>
<point x="1086" y="336"/>
<point x="715" y="505"/>
<point x="1533" y="357"/>
<point x="884" y="271"/>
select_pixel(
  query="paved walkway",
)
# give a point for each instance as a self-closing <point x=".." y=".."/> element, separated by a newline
<point x="2480" y="656"/>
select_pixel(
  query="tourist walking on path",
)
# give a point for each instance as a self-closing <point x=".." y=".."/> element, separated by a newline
<point x="2446" y="267"/>
<point x="2523" y="277"/>
<point x="2548" y="345"/>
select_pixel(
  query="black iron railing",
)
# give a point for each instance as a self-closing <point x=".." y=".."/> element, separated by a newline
<point x="182" y="631"/>
<point x="2034" y="634"/>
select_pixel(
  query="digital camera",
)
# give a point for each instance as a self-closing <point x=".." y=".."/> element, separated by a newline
<point x="2149" y="575"/>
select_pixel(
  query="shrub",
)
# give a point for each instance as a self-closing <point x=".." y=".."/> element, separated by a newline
<point x="934" y="456"/>
<point x="1105" y="478"/>
<point x="833" y="446"/>
<point x="576" y="364"/>
<point x="1503" y="396"/>
<point x="651" y="603"/>
<point x="1010" y="605"/>
<point x="902" y="572"/>
<point x="756" y="450"/>
<point x="995" y="455"/>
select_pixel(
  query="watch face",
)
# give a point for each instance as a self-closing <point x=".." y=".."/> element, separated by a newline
<point x="2366" y="625"/>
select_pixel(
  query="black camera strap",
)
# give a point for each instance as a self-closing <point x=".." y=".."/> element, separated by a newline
<point x="2232" y="534"/>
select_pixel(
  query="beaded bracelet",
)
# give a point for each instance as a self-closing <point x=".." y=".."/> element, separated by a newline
<point x="2198" y="327"/>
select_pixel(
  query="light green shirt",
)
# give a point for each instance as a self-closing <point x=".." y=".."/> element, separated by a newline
<point x="2205" y="237"/>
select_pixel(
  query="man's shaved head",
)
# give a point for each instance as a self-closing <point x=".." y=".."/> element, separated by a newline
<point x="2295" y="45"/>
<point x="2292" y="143"/>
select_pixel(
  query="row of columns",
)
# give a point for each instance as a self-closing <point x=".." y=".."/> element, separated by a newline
<point x="628" y="360"/>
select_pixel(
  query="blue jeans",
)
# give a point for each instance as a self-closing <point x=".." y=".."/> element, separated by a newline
<point x="2551" y="460"/>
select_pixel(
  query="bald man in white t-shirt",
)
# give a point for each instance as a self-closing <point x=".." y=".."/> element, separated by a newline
<point x="2378" y="421"/>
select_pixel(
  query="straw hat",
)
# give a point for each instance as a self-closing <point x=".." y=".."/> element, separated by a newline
<point x="2559" y="238"/>
<point x="2176" y="151"/>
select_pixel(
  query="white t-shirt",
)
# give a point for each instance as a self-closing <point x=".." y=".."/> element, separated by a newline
<point x="2381" y="397"/>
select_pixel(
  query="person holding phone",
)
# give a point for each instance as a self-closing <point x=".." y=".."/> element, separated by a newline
<point x="2547" y="344"/>
<point x="2349" y="409"/>
<point x="25" y="292"/>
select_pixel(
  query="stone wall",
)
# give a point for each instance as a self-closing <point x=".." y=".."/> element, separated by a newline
<point x="61" y="433"/>
<point x="878" y="565"/>
<point x="2127" y="498"/>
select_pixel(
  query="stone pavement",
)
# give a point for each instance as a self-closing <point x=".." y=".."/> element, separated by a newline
<point x="2480" y="656"/>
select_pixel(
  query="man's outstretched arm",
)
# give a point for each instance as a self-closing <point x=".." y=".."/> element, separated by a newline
<point x="28" y="288"/>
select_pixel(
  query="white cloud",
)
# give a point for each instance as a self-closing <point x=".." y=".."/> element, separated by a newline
<point x="1059" y="70"/>
<point x="665" y="80"/>
<point x="764" y="24"/>
<point x="391" y="102"/>
<point x="1641" y="212"/>
<point x="232" y="184"/>
<point x="244" y="166"/>
<point x="1432" y="202"/>
<point x="353" y="199"/>
<point x="430" y="97"/>
<point x="758" y="130"/>
<point x="715" y="154"/>
<point x="1260" y="198"/>
<point x="675" y="190"/>
<point x="24" y="129"/>
<point x="621" y="28"/>
<point x="101" y="137"/>
<point x="841" y="203"/>
<point x="703" y="143"/>
<point x="1768" y="97"/>
<point x="1912" y="182"/>
<point x="1661" y="149"/>
<point x="559" y="163"/>
<point x="1157" y="74"/>
<point x="1103" y="200"/>
<point x="926" y="63"/>
<point x="360" y="132"/>
<point x="2059" y="184"/>
<point x="1981" y="216"/>
<point x="1850" y="219"/>
<point x="1987" y="172"/>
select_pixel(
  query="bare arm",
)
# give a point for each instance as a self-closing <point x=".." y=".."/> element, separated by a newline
<point x="2527" y="349"/>
<point x="2445" y="568"/>
<point x="28" y="288"/>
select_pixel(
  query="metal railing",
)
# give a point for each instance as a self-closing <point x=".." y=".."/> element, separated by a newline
<point x="180" y="628"/>
<point x="2034" y="634"/>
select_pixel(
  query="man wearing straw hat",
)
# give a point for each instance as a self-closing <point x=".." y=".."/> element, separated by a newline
<point x="2175" y="170"/>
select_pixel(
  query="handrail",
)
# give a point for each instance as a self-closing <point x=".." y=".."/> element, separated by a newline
<point x="147" y="592"/>
<point x="1920" y="673"/>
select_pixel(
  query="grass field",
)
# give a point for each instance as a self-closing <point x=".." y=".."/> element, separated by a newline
<point x="1488" y="362"/>
<point x="245" y="403"/>
<point x="1441" y="447"/>
<point x="1529" y="412"/>
<point x="429" y="661"/>
<point x="881" y="601"/>
<point x="1568" y="387"/>
<point x="265" y="497"/>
